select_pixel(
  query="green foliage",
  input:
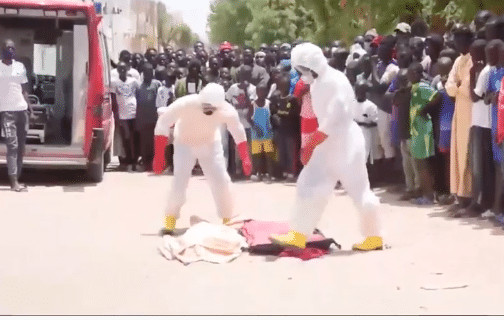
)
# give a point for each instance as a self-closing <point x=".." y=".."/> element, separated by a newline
<point x="282" y="22"/>
<point x="253" y="22"/>
<point x="228" y="20"/>
<point x="164" y="22"/>
<point x="179" y="35"/>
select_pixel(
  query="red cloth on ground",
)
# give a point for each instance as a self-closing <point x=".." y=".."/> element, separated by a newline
<point x="305" y="254"/>
<point x="258" y="232"/>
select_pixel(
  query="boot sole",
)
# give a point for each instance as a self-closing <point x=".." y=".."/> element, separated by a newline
<point x="285" y="245"/>
<point x="164" y="232"/>
<point x="379" y="248"/>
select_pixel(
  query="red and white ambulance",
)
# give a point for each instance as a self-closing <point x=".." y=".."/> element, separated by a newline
<point x="63" y="47"/>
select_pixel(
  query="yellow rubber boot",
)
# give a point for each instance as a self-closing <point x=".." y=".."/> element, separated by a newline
<point x="291" y="239"/>
<point x="170" y="222"/>
<point x="371" y="243"/>
<point x="226" y="220"/>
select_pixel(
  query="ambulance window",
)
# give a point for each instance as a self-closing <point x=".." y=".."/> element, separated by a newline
<point x="105" y="59"/>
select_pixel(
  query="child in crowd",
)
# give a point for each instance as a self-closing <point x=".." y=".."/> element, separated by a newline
<point x="165" y="97"/>
<point x="423" y="97"/>
<point x="286" y="122"/>
<point x="480" y="135"/>
<point x="241" y="95"/>
<point x="225" y="74"/>
<point x="352" y="70"/>
<point x="146" y="116"/>
<point x="366" y="116"/>
<point x="262" y="137"/>
<point x="494" y="84"/>
<point x="402" y="102"/>
<point x="445" y="126"/>
<point x="192" y="83"/>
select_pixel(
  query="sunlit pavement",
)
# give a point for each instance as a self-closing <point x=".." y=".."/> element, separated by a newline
<point x="70" y="247"/>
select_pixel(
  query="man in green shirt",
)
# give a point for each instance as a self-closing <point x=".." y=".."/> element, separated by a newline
<point x="424" y="99"/>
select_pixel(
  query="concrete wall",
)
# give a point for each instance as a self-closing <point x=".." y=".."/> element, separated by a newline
<point x="130" y="25"/>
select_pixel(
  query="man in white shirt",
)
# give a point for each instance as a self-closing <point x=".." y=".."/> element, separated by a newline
<point x="481" y="128"/>
<point x="384" y="71"/>
<point x="241" y="95"/>
<point x="125" y="88"/>
<point x="14" y="111"/>
<point x="125" y="56"/>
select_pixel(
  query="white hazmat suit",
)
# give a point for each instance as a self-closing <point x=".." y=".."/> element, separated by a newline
<point x="197" y="136"/>
<point x="340" y="156"/>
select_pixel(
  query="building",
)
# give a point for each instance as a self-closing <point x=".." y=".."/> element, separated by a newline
<point x="130" y="25"/>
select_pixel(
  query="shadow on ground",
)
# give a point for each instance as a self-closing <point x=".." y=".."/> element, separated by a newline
<point x="390" y="194"/>
<point x="69" y="180"/>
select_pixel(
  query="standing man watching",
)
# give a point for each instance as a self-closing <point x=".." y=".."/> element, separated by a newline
<point x="260" y="76"/>
<point x="14" y="111"/>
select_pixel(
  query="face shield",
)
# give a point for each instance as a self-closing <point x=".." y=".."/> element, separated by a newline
<point x="306" y="74"/>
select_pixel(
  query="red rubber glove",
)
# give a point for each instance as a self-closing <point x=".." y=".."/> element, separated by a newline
<point x="317" y="138"/>
<point x="245" y="158"/>
<point x="159" y="163"/>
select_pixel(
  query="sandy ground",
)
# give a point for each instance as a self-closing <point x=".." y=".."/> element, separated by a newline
<point x="71" y="248"/>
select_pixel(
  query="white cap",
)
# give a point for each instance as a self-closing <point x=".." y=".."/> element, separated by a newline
<point x="403" y="27"/>
<point x="213" y="94"/>
<point x="371" y="32"/>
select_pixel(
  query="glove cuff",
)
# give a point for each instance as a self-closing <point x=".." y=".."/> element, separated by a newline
<point x="317" y="138"/>
<point x="243" y="151"/>
<point x="160" y="142"/>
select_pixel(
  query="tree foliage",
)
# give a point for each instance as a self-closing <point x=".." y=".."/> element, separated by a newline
<point x="181" y="36"/>
<point x="165" y="21"/>
<point x="228" y="20"/>
<point x="280" y="22"/>
<point x="170" y="32"/>
<point x="322" y="21"/>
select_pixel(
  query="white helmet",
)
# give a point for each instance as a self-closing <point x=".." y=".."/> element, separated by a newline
<point x="213" y="94"/>
<point x="309" y="56"/>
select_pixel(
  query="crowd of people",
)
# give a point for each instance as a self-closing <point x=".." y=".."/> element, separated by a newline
<point x="427" y="104"/>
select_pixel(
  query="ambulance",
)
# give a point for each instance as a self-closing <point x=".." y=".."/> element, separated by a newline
<point x="62" y="45"/>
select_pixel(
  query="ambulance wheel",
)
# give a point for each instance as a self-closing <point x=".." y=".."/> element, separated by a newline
<point x="96" y="170"/>
<point x="96" y="164"/>
<point x="107" y="157"/>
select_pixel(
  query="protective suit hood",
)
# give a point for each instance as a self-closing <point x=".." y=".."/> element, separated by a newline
<point x="213" y="94"/>
<point x="309" y="56"/>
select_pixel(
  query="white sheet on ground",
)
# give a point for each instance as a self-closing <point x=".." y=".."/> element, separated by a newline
<point x="204" y="242"/>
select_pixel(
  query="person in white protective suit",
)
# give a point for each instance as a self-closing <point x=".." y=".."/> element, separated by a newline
<point x="336" y="151"/>
<point x="198" y="119"/>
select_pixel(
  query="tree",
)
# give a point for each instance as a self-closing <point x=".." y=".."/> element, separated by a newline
<point x="323" y="21"/>
<point x="282" y="22"/>
<point x="228" y="20"/>
<point x="181" y="35"/>
<point x="165" y="21"/>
